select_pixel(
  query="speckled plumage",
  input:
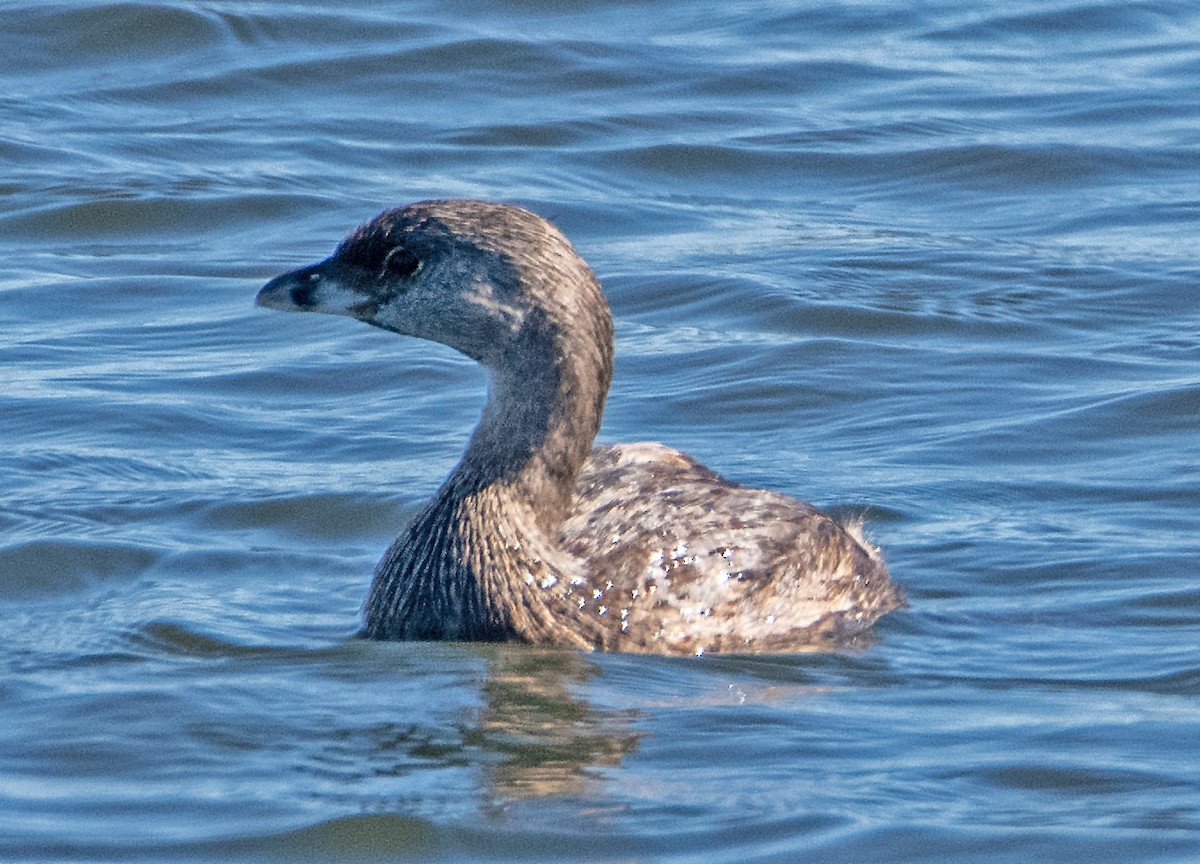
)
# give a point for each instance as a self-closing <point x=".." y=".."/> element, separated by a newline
<point x="535" y="536"/>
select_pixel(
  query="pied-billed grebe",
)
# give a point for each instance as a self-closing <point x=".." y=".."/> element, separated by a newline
<point x="536" y="535"/>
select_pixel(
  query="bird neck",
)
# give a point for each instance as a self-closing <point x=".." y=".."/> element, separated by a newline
<point x="543" y="411"/>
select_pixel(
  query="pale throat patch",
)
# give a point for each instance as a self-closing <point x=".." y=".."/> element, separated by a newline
<point x="484" y="296"/>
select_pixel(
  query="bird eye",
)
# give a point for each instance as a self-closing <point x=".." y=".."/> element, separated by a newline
<point x="399" y="262"/>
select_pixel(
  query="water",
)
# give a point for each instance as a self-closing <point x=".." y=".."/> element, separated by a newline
<point x="931" y="262"/>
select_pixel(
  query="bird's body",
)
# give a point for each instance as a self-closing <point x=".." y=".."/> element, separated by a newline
<point x="536" y="536"/>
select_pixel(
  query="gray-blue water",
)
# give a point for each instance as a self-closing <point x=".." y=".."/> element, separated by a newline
<point x="937" y="263"/>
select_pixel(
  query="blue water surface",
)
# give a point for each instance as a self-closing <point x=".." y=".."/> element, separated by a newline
<point x="932" y="263"/>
